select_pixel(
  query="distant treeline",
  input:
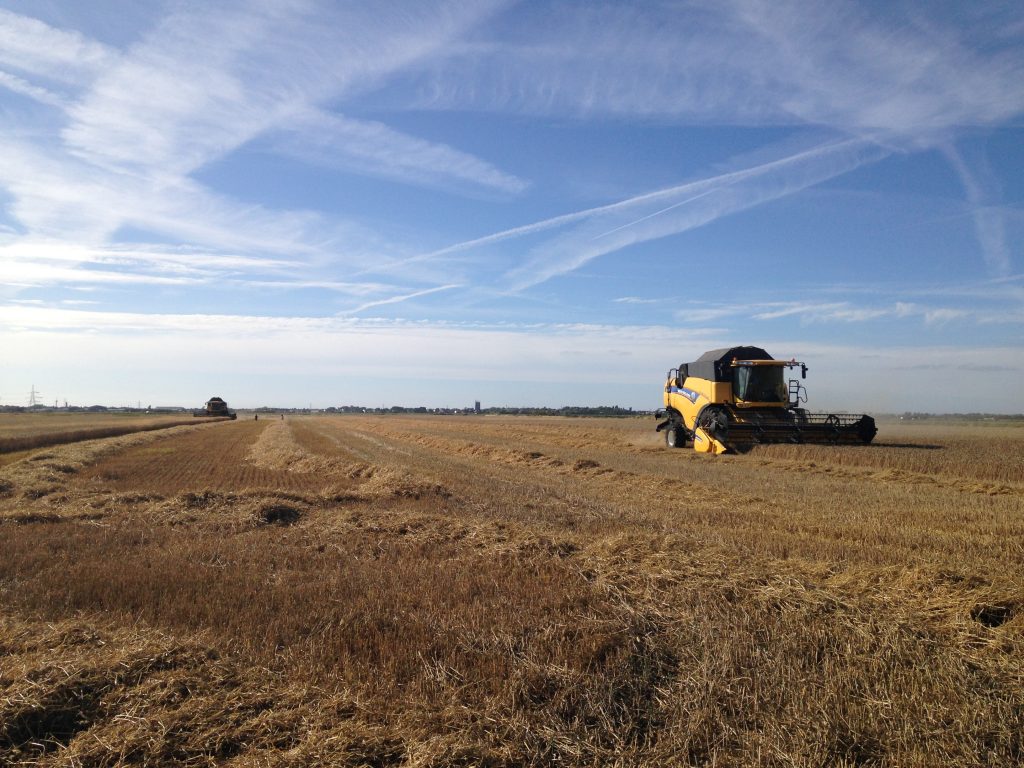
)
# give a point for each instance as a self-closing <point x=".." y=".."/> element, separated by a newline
<point x="567" y="410"/>
<point x="171" y="409"/>
<point x="612" y="411"/>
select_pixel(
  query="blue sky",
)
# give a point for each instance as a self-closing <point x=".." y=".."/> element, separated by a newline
<point x="533" y="203"/>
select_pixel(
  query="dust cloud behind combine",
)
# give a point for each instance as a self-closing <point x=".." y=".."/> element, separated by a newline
<point x="511" y="591"/>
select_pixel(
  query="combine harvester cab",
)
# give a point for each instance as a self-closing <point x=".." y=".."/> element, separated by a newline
<point x="729" y="400"/>
<point x="216" y="407"/>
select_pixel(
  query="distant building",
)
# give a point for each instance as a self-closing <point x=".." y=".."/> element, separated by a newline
<point x="476" y="407"/>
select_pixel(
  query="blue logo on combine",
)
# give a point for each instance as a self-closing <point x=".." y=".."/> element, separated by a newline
<point x="689" y="394"/>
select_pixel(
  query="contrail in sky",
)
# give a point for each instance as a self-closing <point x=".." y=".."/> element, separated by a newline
<point x="403" y="297"/>
<point x="701" y="188"/>
<point x="716" y="197"/>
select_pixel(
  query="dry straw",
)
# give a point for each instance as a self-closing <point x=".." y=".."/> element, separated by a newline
<point x="504" y="592"/>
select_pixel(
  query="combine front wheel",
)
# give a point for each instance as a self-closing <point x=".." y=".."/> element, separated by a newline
<point x="675" y="436"/>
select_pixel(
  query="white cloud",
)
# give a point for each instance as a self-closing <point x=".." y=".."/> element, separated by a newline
<point x="166" y="258"/>
<point x="35" y="275"/>
<point x="988" y="220"/>
<point x="943" y="315"/>
<point x="701" y="314"/>
<point x="338" y="286"/>
<point x="374" y="149"/>
<point x="42" y="95"/>
<point x="61" y="199"/>
<point x="810" y="309"/>
<point x="33" y="262"/>
<point x="635" y="300"/>
<point x="892" y="68"/>
<point x="210" y="79"/>
<point x="36" y="48"/>
<point x="814" y="311"/>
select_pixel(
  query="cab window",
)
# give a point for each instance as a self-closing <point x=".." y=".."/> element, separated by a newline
<point x="760" y="384"/>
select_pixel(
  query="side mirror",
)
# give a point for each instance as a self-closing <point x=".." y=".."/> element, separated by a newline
<point x="803" y="371"/>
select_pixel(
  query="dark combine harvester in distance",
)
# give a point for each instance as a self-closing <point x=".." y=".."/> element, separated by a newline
<point x="215" y="406"/>
<point x="731" y="399"/>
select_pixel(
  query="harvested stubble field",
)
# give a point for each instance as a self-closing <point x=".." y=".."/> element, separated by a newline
<point x="392" y="591"/>
<point x="20" y="432"/>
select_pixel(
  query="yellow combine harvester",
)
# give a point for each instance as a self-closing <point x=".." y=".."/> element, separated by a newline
<point x="731" y="399"/>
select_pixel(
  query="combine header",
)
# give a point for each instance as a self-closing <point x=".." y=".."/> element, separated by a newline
<point x="731" y="399"/>
<point x="215" y="406"/>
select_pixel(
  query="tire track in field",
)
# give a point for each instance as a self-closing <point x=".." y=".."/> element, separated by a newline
<point x="503" y="433"/>
<point x="285" y="446"/>
<point x="540" y="483"/>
